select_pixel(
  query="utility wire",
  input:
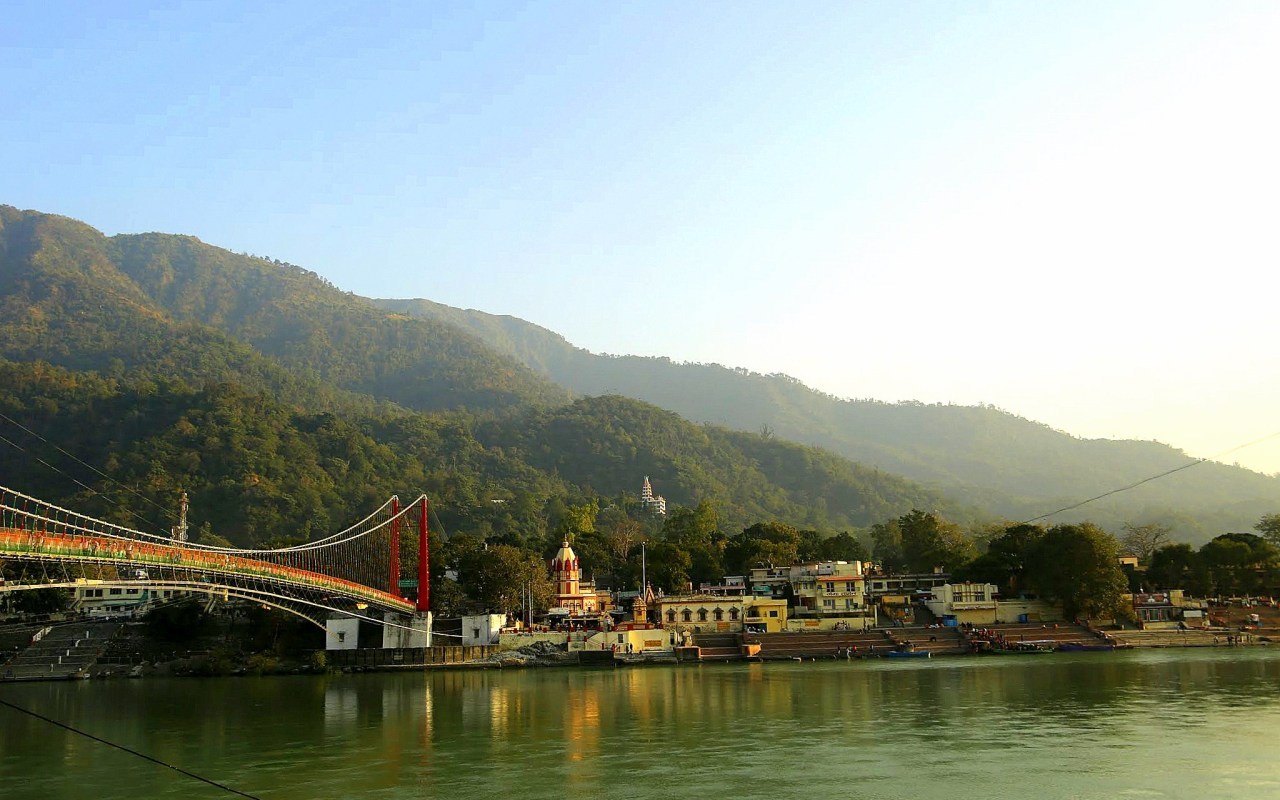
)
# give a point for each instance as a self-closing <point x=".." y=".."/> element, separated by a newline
<point x="168" y="512"/>
<point x="439" y="523"/>
<point x="1166" y="473"/>
<point x="130" y="751"/>
<point x="81" y="483"/>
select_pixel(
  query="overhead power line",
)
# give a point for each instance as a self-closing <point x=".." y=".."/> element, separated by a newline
<point x="128" y="750"/>
<point x="1164" y="474"/>
<point x="168" y="512"/>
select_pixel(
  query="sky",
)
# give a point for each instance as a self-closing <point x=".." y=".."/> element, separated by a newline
<point x="1065" y="210"/>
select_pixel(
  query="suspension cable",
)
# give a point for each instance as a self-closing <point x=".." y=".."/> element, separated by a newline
<point x="128" y="750"/>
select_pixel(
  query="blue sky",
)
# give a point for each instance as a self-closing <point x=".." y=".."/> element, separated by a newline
<point x="1065" y="210"/>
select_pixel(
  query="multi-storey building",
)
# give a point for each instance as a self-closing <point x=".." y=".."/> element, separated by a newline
<point x="651" y="502"/>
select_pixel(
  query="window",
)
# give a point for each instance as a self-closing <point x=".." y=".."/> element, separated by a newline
<point x="671" y="615"/>
<point x="686" y="615"/>
<point x="733" y="614"/>
<point x="831" y="586"/>
<point x="702" y="615"/>
<point x="115" y="592"/>
<point x="773" y="612"/>
<point x="828" y="603"/>
<point x="621" y="638"/>
<point x="719" y="615"/>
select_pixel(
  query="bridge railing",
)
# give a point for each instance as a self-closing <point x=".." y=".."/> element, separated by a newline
<point x="352" y="561"/>
<point x="27" y="544"/>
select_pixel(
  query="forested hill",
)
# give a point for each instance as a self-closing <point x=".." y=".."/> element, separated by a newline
<point x="172" y="311"/>
<point x="258" y="471"/>
<point x="988" y="457"/>
<point x="173" y="307"/>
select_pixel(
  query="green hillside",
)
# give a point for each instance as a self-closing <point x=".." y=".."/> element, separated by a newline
<point x="171" y="312"/>
<point x="989" y="458"/>
<point x="173" y="307"/>
<point x="258" y="471"/>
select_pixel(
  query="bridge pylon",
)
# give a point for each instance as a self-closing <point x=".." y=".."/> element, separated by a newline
<point x="401" y="631"/>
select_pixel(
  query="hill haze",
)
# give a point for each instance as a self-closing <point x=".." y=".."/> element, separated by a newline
<point x="987" y="457"/>
<point x="174" y="311"/>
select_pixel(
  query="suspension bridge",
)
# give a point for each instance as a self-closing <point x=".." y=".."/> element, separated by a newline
<point x="356" y="573"/>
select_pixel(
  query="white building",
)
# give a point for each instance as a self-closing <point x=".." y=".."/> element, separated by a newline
<point x="655" y="503"/>
<point x="105" y="598"/>
<point x="482" y="628"/>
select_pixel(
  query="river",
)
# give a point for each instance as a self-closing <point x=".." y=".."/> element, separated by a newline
<point x="1196" y="723"/>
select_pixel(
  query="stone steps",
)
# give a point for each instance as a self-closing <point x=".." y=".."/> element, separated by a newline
<point x="1158" y="638"/>
<point x="64" y="652"/>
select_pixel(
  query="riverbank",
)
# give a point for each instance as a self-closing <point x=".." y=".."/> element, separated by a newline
<point x="126" y="651"/>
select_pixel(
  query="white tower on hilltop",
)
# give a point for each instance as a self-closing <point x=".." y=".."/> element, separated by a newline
<point x="655" y="503"/>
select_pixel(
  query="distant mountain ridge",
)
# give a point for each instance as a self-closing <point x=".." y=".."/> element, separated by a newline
<point x="990" y="458"/>
<point x="282" y="404"/>
<point x="176" y="307"/>
<point x="164" y="308"/>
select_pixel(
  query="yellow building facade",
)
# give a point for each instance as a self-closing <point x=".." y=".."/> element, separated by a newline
<point x="719" y="613"/>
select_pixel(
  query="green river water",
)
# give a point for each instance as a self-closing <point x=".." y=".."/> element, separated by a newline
<point x="1144" y="724"/>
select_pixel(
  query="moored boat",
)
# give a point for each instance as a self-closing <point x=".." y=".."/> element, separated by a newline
<point x="1025" y="648"/>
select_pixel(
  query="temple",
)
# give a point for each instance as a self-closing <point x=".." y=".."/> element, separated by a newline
<point x="574" y="595"/>
<point x="656" y="504"/>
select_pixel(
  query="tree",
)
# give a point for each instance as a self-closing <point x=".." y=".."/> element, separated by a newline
<point x="595" y="554"/>
<point x="1144" y="540"/>
<point x="178" y="622"/>
<point x="762" y="544"/>
<point x="1269" y="527"/>
<point x="1078" y="565"/>
<point x="496" y="577"/>
<point x="447" y="598"/>
<point x="668" y="567"/>
<point x="1239" y="563"/>
<point x="41" y="601"/>
<point x="843" y="547"/>
<point x="1006" y="560"/>
<point x="886" y="542"/>
<point x="696" y="531"/>
<point x="620" y="531"/>
<point x="930" y="541"/>
<point x="1176" y="566"/>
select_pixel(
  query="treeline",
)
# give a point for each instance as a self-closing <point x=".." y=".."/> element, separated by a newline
<point x="508" y="490"/>
<point x="1008" y="465"/>
<point x="1074" y="564"/>
<point x="1230" y="565"/>
<point x="259" y="472"/>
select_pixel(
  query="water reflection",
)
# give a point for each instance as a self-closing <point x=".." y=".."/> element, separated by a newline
<point x="1093" y="725"/>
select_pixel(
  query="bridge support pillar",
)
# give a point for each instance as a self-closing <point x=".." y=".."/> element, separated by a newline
<point x="341" y="633"/>
<point x="396" y="635"/>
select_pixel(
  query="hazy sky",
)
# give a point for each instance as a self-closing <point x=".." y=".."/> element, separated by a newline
<point x="1067" y="210"/>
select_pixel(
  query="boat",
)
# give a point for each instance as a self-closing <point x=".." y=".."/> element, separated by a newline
<point x="1082" y="647"/>
<point x="1035" y="648"/>
<point x="906" y="650"/>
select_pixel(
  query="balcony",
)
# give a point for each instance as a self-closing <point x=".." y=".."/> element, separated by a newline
<point x="973" y="605"/>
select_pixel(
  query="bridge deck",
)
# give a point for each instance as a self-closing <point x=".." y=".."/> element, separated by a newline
<point x="211" y="566"/>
